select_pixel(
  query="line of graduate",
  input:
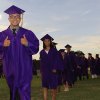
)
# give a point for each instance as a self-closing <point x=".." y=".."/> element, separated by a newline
<point x="64" y="68"/>
<point x="17" y="45"/>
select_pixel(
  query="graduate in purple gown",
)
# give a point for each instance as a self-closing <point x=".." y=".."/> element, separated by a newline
<point x="79" y="65"/>
<point x="97" y="64"/>
<point x="64" y="72"/>
<point x="60" y="67"/>
<point x="18" y="44"/>
<point x="70" y="66"/>
<point x="48" y="67"/>
<point x="91" y="63"/>
<point x="84" y="66"/>
<point x="60" y="70"/>
<point x="54" y="44"/>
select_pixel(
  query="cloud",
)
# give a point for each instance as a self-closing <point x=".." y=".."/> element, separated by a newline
<point x="49" y="30"/>
<point x="60" y="18"/>
<point x="90" y="43"/>
<point x="86" y="12"/>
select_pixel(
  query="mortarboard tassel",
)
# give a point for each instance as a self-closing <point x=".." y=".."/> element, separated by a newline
<point x="22" y="20"/>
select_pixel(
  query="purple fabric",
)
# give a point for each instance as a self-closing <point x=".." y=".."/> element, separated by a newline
<point x="48" y="62"/>
<point x="17" y="58"/>
<point x="70" y="67"/>
<point x="14" y="10"/>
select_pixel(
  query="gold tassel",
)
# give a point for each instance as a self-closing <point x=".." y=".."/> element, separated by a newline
<point x="22" y="20"/>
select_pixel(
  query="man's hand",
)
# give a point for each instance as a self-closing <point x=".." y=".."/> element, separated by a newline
<point x="24" y="41"/>
<point x="6" y="42"/>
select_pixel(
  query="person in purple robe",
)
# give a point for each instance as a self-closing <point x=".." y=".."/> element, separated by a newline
<point x="97" y="64"/>
<point x="49" y="67"/>
<point x="91" y="63"/>
<point x="18" y="45"/>
<point x="70" y="66"/>
<point x="84" y="67"/>
<point x="79" y="65"/>
<point x="54" y="44"/>
<point x="60" y="70"/>
<point x="64" y="71"/>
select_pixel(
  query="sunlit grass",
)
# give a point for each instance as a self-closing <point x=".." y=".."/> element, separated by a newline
<point x="83" y="90"/>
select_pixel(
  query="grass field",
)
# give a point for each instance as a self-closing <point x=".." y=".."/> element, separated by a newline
<point x="83" y="90"/>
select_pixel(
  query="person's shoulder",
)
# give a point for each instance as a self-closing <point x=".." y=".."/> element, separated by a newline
<point x="72" y="52"/>
<point x="54" y="49"/>
<point x="4" y="31"/>
<point x="24" y="29"/>
<point x="41" y="52"/>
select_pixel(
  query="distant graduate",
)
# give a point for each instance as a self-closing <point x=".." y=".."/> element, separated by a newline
<point x="60" y="67"/>
<point x="54" y="44"/>
<point x="18" y="45"/>
<point x="97" y="64"/>
<point x="84" y="66"/>
<point x="79" y="65"/>
<point x="91" y="63"/>
<point x="49" y="66"/>
<point x="70" y="66"/>
<point x="63" y="73"/>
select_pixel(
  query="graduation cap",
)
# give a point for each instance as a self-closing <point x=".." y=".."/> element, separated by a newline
<point x="62" y="50"/>
<point x="76" y="53"/>
<point x="89" y="54"/>
<point x="82" y="53"/>
<point x="54" y="43"/>
<point x="97" y="55"/>
<point x="68" y="46"/>
<point x="47" y="36"/>
<point x="14" y="10"/>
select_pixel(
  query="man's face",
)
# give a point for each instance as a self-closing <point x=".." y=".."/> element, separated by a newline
<point x="89" y="56"/>
<point x="14" y="19"/>
<point x="62" y="53"/>
<point x="68" y="49"/>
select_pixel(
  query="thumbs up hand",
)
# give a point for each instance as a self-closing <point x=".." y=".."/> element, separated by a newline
<point x="24" y="41"/>
<point x="6" y="42"/>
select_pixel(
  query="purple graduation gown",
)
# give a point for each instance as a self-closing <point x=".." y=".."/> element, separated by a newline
<point x="60" y="69"/>
<point x="48" y="62"/>
<point x="17" y="61"/>
<point x="85" y="66"/>
<point x="79" y="67"/>
<point x="91" y="63"/>
<point x="70" y="68"/>
<point x="97" y="65"/>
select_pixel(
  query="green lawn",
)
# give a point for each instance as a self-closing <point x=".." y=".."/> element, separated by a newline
<point x="83" y="90"/>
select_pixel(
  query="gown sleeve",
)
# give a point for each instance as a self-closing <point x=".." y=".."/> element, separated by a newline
<point x="1" y="43"/>
<point x="33" y="43"/>
<point x="55" y="66"/>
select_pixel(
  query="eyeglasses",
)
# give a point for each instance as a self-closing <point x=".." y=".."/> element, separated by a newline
<point x="14" y="17"/>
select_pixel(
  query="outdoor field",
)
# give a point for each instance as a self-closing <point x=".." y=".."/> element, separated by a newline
<point x="83" y="90"/>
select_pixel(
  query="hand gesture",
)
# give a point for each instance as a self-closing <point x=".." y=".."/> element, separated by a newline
<point x="24" y="40"/>
<point x="6" y="42"/>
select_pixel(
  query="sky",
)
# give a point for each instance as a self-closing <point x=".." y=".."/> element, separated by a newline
<point x="74" y="22"/>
